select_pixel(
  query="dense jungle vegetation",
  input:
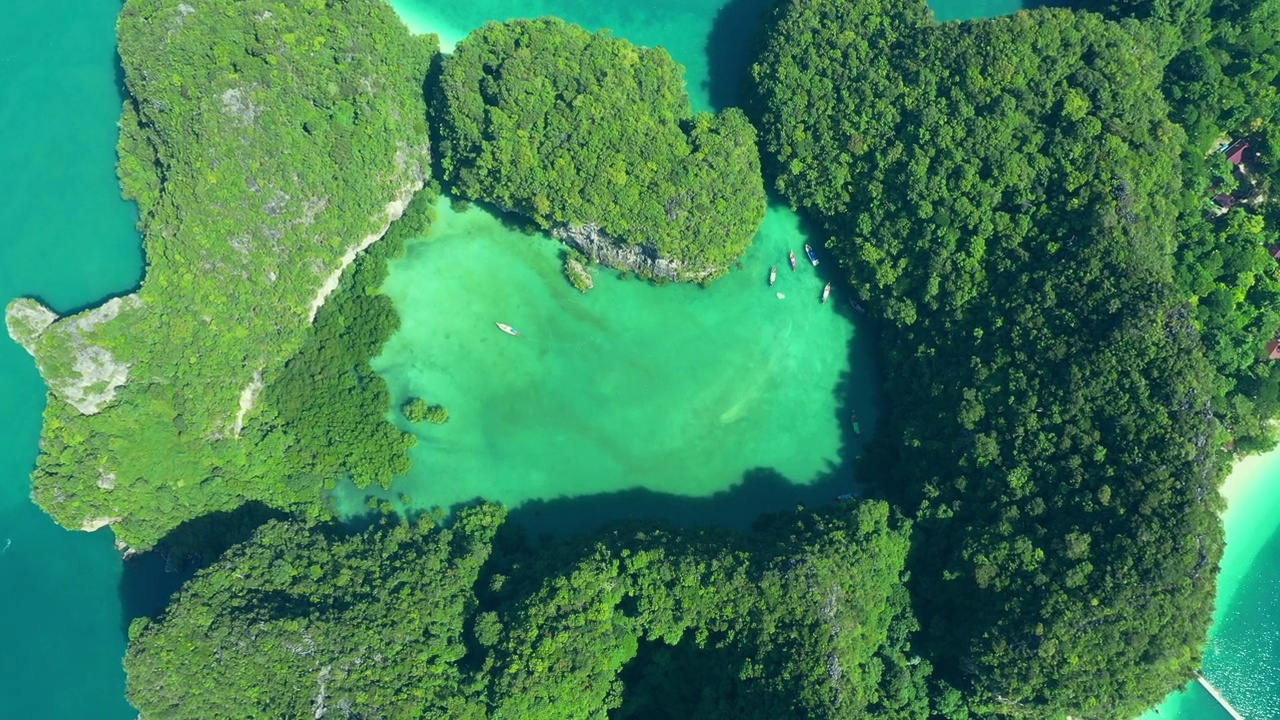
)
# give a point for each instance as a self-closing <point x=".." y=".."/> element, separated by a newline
<point x="260" y="140"/>
<point x="611" y="142"/>
<point x="1076" y="345"/>
<point x="804" y="618"/>
<point x="1222" y="84"/>
<point x="1076" y="337"/>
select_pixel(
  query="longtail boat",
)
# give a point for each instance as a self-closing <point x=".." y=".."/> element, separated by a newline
<point x="793" y="259"/>
<point x="826" y="292"/>
<point x="773" y="275"/>
<point x="507" y="329"/>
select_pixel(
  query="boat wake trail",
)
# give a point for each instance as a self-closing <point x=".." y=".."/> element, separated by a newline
<point x="7" y="543"/>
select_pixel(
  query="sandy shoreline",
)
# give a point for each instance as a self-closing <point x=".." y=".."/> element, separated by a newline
<point x="1252" y="517"/>
<point x="419" y="23"/>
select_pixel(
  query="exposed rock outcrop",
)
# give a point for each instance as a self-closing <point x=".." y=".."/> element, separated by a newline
<point x="392" y="212"/>
<point x="642" y="260"/>
<point x="83" y="374"/>
<point x="248" y="399"/>
<point x="27" y="319"/>
<point x="94" y="524"/>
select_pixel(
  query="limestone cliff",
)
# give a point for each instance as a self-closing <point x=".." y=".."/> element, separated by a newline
<point x="642" y="260"/>
<point x="27" y="319"/>
<point x="77" y="370"/>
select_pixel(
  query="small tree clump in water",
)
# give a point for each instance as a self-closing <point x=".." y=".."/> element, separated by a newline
<point x="577" y="274"/>
<point x="416" y="410"/>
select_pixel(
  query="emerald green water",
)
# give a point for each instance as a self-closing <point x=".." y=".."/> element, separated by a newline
<point x="680" y="391"/>
<point x="68" y="238"/>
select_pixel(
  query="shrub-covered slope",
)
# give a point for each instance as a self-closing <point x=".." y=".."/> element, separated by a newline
<point x="265" y="143"/>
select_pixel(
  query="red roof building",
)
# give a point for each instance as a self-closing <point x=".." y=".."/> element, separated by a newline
<point x="1273" y="350"/>
<point x="1235" y="152"/>
<point x="1274" y="250"/>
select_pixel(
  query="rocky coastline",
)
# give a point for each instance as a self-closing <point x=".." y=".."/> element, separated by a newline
<point x="643" y="260"/>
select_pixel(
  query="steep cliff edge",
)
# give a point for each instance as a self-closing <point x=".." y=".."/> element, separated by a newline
<point x="643" y="260"/>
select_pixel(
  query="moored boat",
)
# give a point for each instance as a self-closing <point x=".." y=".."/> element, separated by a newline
<point x="857" y="308"/>
<point x="813" y="256"/>
<point x="826" y="292"/>
<point x="793" y="259"/>
<point x="773" y="275"/>
<point x="857" y="427"/>
<point x="507" y="329"/>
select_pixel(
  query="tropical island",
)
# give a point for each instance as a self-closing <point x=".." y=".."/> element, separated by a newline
<point x="608" y="157"/>
<point x="1080" y="330"/>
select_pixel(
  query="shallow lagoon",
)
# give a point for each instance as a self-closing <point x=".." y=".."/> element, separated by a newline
<point x="680" y="390"/>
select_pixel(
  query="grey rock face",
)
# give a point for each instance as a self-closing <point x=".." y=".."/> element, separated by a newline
<point x="642" y="260"/>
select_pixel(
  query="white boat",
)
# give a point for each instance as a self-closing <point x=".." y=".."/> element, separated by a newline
<point x="826" y="292"/>
<point x="507" y="329"/>
<point x="773" y="275"/>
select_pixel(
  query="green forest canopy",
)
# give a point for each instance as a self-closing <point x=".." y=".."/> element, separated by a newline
<point x="261" y="141"/>
<point x="1009" y="195"/>
<point x="803" y="619"/>
<point x="574" y="128"/>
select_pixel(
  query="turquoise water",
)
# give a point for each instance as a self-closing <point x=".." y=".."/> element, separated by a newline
<point x="1243" y="658"/>
<point x="731" y="397"/>
<point x="69" y="240"/>
<point x="945" y="10"/>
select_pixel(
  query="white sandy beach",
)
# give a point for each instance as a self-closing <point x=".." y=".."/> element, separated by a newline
<point x="1252" y="516"/>
<point x="420" y="21"/>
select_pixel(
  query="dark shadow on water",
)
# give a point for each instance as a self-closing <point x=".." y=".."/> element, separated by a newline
<point x="509" y="219"/>
<point x="731" y="46"/>
<point x="122" y="86"/>
<point x="118" y="64"/>
<point x="434" y="109"/>
<point x="150" y="578"/>
<point x="145" y="587"/>
<point x="761" y="490"/>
